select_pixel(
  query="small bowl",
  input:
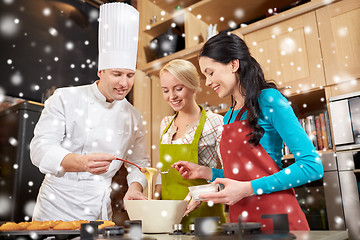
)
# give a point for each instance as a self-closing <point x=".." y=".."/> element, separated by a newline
<point x="157" y="216"/>
<point x="195" y="191"/>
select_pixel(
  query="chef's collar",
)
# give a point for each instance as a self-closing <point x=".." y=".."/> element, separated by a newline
<point x="99" y="95"/>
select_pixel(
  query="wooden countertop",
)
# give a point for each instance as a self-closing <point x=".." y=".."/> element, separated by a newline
<point x="300" y="235"/>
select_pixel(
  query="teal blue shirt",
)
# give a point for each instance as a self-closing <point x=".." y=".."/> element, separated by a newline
<point x="281" y="125"/>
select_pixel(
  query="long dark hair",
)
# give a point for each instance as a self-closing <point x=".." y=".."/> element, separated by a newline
<point x="226" y="47"/>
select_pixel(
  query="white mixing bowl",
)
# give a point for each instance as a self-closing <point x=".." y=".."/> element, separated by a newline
<point x="157" y="216"/>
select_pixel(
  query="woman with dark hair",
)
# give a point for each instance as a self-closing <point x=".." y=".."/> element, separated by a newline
<point x="255" y="129"/>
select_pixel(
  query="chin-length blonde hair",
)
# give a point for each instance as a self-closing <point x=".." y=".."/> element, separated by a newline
<point x="184" y="71"/>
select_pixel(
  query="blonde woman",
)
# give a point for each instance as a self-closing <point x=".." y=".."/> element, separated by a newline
<point x="192" y="135"/>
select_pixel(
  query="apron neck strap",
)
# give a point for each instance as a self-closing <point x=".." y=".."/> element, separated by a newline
<point x="199" y="129"/>
<point x="238" y="116"/>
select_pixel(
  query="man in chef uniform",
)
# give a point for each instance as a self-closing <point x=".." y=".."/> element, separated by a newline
<point x="83" y="129"/>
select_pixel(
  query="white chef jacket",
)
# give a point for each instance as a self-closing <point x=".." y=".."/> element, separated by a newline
<point x="79" y="120"/>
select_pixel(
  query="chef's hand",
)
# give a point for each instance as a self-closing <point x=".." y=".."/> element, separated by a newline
<point x="192" y="205"/>
<point x="233" y="192"/>
<point x="189" y="170"/>
<point x="98" y="163"/>
<point x="135" y="192"/>
<point x="95" y="163"/>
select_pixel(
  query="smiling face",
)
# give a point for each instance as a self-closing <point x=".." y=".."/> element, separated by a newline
<point x="175" y="92"/>
<point x="115" y="83"/>
<point x="220" y="77"/>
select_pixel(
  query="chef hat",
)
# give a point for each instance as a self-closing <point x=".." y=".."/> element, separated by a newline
<point x="118" y="36"/>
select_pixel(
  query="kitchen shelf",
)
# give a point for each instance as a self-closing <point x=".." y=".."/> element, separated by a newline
<point x="154" y="67"/>
<point x="309" y="102"/>
<point x="169" y="6"/>
<point x="162" y="26"/>
<point x="290" y="156"/>
<point x="235" y="11"/>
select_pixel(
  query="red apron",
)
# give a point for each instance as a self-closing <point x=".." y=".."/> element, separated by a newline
<point x="254" y="162"/>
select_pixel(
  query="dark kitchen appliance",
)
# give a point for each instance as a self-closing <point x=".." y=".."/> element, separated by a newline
<point x="348" y="163"/>
<point x="345" y="120"/>
<point x="345" y="115"/>
<point x="321" y="200"/>
<point x="20" y="180"/>
<point x="332" y="203"/>
<point x="167" y="43"/>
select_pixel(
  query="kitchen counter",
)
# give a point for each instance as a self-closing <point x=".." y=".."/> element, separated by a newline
<point x="301" y="235"/>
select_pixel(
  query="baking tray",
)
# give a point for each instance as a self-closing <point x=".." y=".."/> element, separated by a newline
<point x="39" y="234"/>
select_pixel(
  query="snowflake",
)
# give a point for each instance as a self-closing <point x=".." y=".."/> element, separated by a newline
<point x="69" y="46"/>
<point x="338" y="220"/>
<point x="208" y="227"/>
<point x="34" y="235"/>
<point x="52" y="196"/>
<point x="46" y="11"/>
<point x="239" y="13"/>
<point x="249" y="166"/>
<point x="164" y="213"/>
<point x="13" y="141"/>
<point x="135" y="232"/>
<point x="53" y="32"/>
<point x="16" y="79"/>
<point x="167" y="158"/>
<point x="29" y="207"/>
<point x="89" y="229"/>
<point x="9" y="26"/>
<point x="5" y="204"/>
<point x="259" y="191"/>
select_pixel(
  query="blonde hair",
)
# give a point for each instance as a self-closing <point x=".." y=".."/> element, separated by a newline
<point x="184" y="71"/>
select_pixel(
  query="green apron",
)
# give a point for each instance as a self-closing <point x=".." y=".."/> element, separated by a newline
<point x="174" y="186"/>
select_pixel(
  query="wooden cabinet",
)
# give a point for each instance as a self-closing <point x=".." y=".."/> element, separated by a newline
<point x="149" y="101"/>
<point x="339" y="28"/>
<point x="160" y="109"/>
<point x="142" y="101"/>
<point x="289" y="53"/>
<point x="192" y="18"/>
